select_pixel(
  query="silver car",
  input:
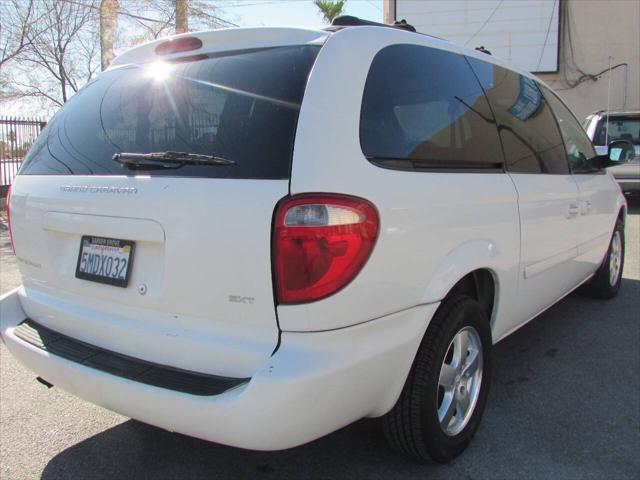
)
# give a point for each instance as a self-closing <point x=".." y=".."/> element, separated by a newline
<point x="621" y="126"/>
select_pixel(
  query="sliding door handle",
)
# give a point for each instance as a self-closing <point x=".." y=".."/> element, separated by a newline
<point x="573" y="210"/>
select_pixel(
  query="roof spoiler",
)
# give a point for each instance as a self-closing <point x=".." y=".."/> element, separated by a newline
<point x="351" y="21"/>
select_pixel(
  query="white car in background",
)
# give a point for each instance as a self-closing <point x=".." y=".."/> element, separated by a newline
<point x="257" y="236"/>
<point x="622" y="126"/>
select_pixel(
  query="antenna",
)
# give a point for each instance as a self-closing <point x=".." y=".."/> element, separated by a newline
<point x="606" y="132"/>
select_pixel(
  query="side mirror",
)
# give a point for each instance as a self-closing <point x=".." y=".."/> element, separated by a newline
<point x="621" y="151"/>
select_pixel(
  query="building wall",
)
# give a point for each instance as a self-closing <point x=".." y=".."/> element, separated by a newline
<point x="591" y="31"/>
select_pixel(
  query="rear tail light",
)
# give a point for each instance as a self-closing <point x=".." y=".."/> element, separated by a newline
<point x="321" y="242"/>
<point x="8" y="200"/>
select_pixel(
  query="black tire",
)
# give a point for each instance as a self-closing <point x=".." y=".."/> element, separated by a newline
<point x="601" y="286"/>
<point x="412" y="426"/>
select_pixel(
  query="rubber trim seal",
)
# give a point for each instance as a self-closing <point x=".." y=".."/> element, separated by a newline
<point x="194" y="383"/>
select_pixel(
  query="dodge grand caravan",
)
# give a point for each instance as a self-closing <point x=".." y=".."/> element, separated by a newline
<point x="257" y="236"/>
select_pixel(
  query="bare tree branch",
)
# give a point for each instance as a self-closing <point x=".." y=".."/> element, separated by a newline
<point x="19" y="20"/>
<point x="61" y="50"/>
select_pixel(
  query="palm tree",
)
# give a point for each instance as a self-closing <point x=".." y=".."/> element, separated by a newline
<point x="330" y="9"/>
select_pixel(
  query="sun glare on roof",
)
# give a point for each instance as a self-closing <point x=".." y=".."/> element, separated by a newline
<point x="159" y="71"/>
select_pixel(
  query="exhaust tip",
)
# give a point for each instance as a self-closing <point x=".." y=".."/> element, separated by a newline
<point x="44" y="382"/>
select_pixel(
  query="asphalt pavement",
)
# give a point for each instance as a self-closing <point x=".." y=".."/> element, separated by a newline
<point x="564" y="404"/>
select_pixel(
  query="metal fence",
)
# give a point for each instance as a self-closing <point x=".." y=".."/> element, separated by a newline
<point x="16" y="137"/>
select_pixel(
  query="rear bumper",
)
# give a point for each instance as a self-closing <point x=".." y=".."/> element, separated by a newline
<point x="314" y="384"/>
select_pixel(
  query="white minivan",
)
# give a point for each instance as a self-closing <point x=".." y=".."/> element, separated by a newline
<point x="257" y="236"/>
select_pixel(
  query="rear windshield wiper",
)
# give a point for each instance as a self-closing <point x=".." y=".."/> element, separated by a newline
<point x="168" y="159"/>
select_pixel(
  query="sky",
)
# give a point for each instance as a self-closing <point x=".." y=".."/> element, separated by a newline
<point x="302" y="13"/>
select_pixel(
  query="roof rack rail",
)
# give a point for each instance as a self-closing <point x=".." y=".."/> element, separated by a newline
<point x="351" y="21"/>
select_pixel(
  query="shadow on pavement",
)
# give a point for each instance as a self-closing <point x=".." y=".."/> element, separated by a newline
<point x="563" y="395"/>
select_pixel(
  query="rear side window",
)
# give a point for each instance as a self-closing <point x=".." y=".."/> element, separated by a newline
<point x="528" y="129"/>
<point x="424" y="108"/>
<point x="240" y="105"/>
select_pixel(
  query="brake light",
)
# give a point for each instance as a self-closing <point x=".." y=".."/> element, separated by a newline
<point x="8" y="200"/>
<point x="321" y="242"/>
<point x="183" y="44"/>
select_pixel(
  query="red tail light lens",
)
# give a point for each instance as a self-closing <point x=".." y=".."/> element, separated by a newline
<point x="321" y="242"/>
<point x="184" y="44"/>
<point x="8" y="200"/>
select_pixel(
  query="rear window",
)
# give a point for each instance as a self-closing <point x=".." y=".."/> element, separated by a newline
<point x="620" y="128"/>
<point x="240" y="105"/>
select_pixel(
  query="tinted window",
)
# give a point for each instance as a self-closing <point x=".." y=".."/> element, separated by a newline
<point x="530" y="136"/>
<point x="240" y="105"/>
<point x="579" y="149"/>
<point x="620" y="128"/>
<point x="423" y="107"/>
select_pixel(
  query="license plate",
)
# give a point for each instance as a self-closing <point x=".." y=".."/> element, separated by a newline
<point x="105" y="260"/>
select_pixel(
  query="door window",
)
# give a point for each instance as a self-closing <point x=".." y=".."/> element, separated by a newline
<point x="579" y="148"/>
<point x="528" y="130"/>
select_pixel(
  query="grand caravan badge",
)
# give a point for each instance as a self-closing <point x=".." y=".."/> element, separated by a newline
<point x="99" y="189"/>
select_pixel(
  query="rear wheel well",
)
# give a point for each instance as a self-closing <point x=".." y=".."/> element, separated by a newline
<point x="479" y="285"/>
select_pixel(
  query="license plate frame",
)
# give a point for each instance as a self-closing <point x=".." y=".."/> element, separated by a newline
<point x="89" y="241"/>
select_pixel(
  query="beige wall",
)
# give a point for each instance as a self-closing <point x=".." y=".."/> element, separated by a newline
<point x="598" y="29"/>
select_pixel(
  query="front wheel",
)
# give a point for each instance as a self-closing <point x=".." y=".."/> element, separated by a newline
<point x="606" y="281"/>
<point x="444" y="396"/>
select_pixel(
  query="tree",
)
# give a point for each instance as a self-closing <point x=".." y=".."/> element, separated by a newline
<point x="182" y="16"/>
<point x="108" y="28"/>
<point x="143" y="20"/>
<point x="330" y="9"/>
<point x="50" y="48"/>
<point x="60" y="52"/>
<point x="19" y="21"/>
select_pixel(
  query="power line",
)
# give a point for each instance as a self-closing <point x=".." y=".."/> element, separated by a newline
<point x="119" y="12"/>
<point x="266" y="2"/>
<point x="546" y="37"/>
<point x="146" y="19"/>
<point x="374" y="5"/>
<point x="485" y="22"/>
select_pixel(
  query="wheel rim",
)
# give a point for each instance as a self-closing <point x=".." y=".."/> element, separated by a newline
<point x="460" y="381"/>
<point x="615" y="257"/>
